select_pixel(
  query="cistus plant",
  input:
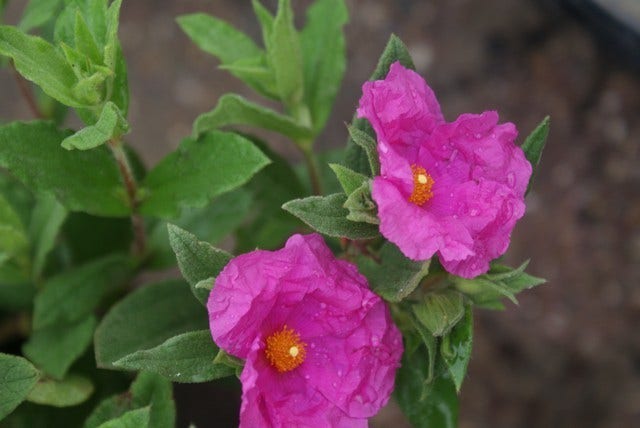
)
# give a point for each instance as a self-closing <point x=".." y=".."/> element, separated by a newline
<point x="346" y="280"/>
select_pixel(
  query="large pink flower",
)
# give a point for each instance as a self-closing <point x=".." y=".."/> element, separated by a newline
<point x="452" y="189"/>
<point x="321" y="349"/>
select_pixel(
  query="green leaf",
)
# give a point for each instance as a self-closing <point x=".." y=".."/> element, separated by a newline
<point x="188" y="357"/>
<point x="456" y="348"/>
<point x="38" y="12"/>
<point x="55" y="347"/>
<point x="256" y="73"/>
<point x="218" y="38"/>
<point x="363" y="140"/>
<point x="211" y="224"/>
<point x="71" y="391"/>
<point x="17" y="378"/>
<point x="501" y="281"/>
<point x="361" y="206"/>
<point x="285" y="56"/>
<point x="235" y="110"/>
<point x="394" y="51"/>
<point x="158" y="312"/>
<point x="32" y="153"/>
<point x="440" y="311"/>
<point x="198" y="171"/>
<point x="266" y="21"/>
<point x="197" y="260"/>
<point x="46" y="221"/>
<point x="138" y="418"/>
<point x="110" y="125"/>
<point x="323" y="49"/>
<point x="327" y="215"/>
<point x="84" y="40"/>
<point x="534" y="145"/>
<point x="75" y="294"/>
<point x="13" y="238"/>
<point x="396" y="276"/>
<point x="431" y="344"/>
<point x="38" y="61"/>
<point x="148" y="390"/>
<point x="433" y="404"/>
<point x="349" y="179"/>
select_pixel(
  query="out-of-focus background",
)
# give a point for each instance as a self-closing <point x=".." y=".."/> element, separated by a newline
<point x="569" y="355"/>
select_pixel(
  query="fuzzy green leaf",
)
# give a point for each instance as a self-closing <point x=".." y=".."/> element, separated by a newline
<point x="235" y="110"/>
<point x="363" y="140"/>
<point x="396" y="276"/>
<point x="534" y="145"/>
<point x="70" y="391"/>
<point x="327" y="215"/>
<point x="158" y="312"/>
<point x="32" y="153"/>
<point x="39" y="61"/>
<point x="197" y="260"/>
<point x="198" y="171"/>
<point x="38" y="12"/>
<point x="440" y="311"/>
<point x="13" y="238"/>
<point x="46" y="220"/>
<point x="110" y="125"/>
<point x="323" y="49"/>
<point x="361" y="205"/>
<point x="75" y="294"/>
<point x="188" y="357"/>
<point x="138" y="418"/>
<point x="426" y="404"/>
<point x="55" y="347"/>
<point x="17" y="378"/>
<point x="285" y="56"/>
<point x="349" y="179"/>
<point x="456" y="348"/>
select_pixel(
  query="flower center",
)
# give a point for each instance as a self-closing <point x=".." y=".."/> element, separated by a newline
<point x="422" y="185"/>
<point x="285" y="351"/>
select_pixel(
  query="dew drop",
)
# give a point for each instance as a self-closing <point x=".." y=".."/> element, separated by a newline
<point x="323" y="305"/>
<point x="307" y="377"/>
<point x="453" y="155"/>
<point x="339" y="373"/>
<point x="312" y="345"/>
<point x="384" y="148"/>
<point x="478" y="136"/>
<point x="511" y="179"/>
<point x="473" y="212"/>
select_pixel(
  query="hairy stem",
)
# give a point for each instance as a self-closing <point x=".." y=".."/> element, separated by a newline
<point x="27" y="94"/>
<point x="312" y="167"/>
<point x="137" y="222"/>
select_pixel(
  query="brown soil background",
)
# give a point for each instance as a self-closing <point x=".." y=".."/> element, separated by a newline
<point x="569" y="355"/>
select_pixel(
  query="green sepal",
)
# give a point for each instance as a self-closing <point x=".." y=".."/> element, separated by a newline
<point x="349" y="179"/>
<point x="361" y="206"/>
<point x="534" y="145"/>
<point x="439" y="311"/>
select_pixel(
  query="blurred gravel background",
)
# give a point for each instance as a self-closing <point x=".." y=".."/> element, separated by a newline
<point x="569" y="355"/>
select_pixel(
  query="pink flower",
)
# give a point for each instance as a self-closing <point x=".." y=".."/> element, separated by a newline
<point x="455" y="189"/>
<point x="321" y="349"/>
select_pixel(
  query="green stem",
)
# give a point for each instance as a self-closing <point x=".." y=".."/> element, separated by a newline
<point x="137" y="222"/>
<point x="312" y="167"/>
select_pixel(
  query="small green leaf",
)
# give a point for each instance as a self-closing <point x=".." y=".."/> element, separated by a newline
<point x="71" y="391"/>
<point x="256" y="73"/>
<point x="456" y="348"/>
<point x="13" y="238"/>
<point x="55" y="347"/>
<point x="38" y="61"/>
<point x="75" y="294"/>
<point x="349" y="179"/>
<point x="433" y="404"/>
<point x="38" y="12"/>
<point x="323" y="49"/>
<point x="218" y="38"/>
<point x="440" y="311"/>
<point x="363" y="140"/>
<point x="138" y="418"/>
<point x="84" y="41"/>
<point x="17" y="378"/>
<point x="43" y="166"/>
<point x="266" y="21"/>
<point x="198" y="171"/>
<point x="501" y="281"/>
<point x="46" y="220"/>
<point x="197" y="260"/>
<point x="285" y="56"/>
<point x="534" y="145"/>
<point x="147" y="390"/>
<point x="396" y="276"/>
<point x="361" y="206"/>
<point x="327" y="215"/>
<point x="394" y="51"/>
<point x="158" y="312"/>
<point x="110" y="125"/>
<point x="431" y="344"/>
<point x="235" y="110"/>
<point x="188" y="357"/>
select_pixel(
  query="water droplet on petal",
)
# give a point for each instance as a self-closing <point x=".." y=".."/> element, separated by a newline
<point x="473" y="212"/>
<point x="384" y="148"/>
<point x="478" y="136"/>
<point x="339" y="373"/>
<point x="323" y="305"/>
<point x="307" y="377"/>
<point x="511" y="179"/>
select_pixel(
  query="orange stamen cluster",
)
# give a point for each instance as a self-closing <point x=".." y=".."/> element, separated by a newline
<point x="422" y="185"/>
<point x="285" y="351"/>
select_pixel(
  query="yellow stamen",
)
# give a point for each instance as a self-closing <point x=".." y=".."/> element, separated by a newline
<point x="285" y="351"/>
<point x="422" y="186"/>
